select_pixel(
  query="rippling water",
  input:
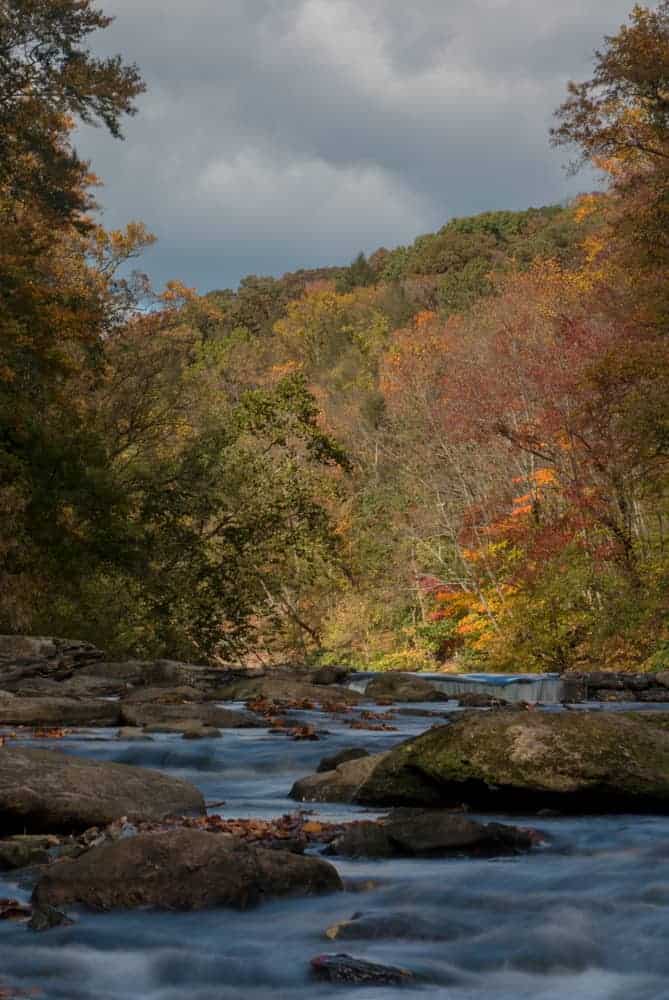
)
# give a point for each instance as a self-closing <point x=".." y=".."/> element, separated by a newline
<point x="585" y="918"/>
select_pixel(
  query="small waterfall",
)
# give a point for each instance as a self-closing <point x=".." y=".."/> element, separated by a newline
<point x="545" y="688"/>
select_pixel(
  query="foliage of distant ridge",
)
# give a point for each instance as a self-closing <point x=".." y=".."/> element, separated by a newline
<point x="454" y="452"/>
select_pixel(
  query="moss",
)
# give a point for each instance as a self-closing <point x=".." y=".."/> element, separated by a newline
<point x="615" y="761"/>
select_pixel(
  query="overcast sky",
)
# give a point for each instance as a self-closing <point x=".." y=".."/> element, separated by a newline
<point x="278" y="134"/>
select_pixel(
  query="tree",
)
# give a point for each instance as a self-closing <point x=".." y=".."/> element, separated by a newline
<point x="47" y="77"/>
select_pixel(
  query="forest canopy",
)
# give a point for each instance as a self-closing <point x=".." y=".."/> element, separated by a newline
<point x="453" y="452"/>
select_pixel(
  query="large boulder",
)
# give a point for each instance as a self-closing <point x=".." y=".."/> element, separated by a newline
<point x="428" y="834"/>
<point x="50" y="711"/>
<point x="504" y="760"/>
<point x="45" y="791"/>
<point x="143" y="714"/>
<point x="403" y="687"/>
<point x="182" y="870"/>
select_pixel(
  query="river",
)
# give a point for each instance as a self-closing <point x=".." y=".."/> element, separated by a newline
<point x="586" y="917"/>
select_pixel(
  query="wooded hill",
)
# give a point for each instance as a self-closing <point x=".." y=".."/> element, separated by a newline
<point x="455" y="450"/>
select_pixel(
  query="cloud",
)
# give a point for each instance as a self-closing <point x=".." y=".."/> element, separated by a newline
<point x="285" y="133"/>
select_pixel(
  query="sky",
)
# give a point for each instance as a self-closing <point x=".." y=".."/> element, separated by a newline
<point x="278" y="134"/>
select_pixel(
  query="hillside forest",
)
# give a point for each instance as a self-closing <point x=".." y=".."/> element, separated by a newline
<point x="449" y="454"/>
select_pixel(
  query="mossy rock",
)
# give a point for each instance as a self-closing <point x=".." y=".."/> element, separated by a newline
<point x="575" y="762"/>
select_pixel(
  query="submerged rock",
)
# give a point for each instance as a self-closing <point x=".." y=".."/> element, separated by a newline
<point x="406" y="926"/>
<point x="182" y="870"/>
<point x="48" y="791"/>
<point x="45" y="918"/>
<point x="429" y="834"/>
<point x="358" y="972"/>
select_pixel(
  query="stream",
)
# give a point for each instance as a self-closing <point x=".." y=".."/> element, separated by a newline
<point x="585" y="917"/>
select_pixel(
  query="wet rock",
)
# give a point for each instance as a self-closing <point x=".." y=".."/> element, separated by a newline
<point x="349" y="782"/>
<point x="576" y="762"/>
<point x="150" y="715"/>
<point x="182" y="870"/>
<point x="405" y="926"/>
<point x="403" y="687"/>
<point x="202" y="733"/>
<point x="333" y="762"/>
<point x="331" y="675"/>
<point x="428" y="834"/>
<point x="24" y="851"/>
<point x="163" y="695"/>
<point x="132" y="734"/>
<point x="47" y="791"/>
<point x="288" y="689"/>
<point x="49" y="711"/>
<point x="357" y="972"/>
<point x="45" y="918"/>
<point x="470" y="699"/>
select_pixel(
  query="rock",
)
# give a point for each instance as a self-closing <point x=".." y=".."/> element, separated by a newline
<point x="48" y="791"/>
<point x="428" y="834"/>
<point x="384" y="926"/>
<point x="45" y="918"/>
<point x="77" y="687"/>
<point x="182" y="870"/>
<point x="24" y="851"/>
<point x="574" y="761"/>
<point x="51" y="652"/>
<point x="333" y="762"/>
<point x="331" y="675"/>
<point x="471" y="699"/>
<point x="172" y="673"/>
<point x="403" y="687"/>
<point x="57" y="712"/>
<point x="122" y="672"/>
<point x="348" y="782"/>
<point x="661" y="679"/>
<point x="162" y="696"/>
<point x="202" y="733"/>
<point x="174" y="716"/>
<point x="287" y="689"/>
<point x="357" y="972"/>
<point x="132" y="734"/>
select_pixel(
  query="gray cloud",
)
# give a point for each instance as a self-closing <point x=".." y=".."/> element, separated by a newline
<point x="285" y="133"/>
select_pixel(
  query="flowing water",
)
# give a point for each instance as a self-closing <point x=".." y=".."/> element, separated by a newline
<point x="585" y="917"/>
<point x="545" y="688"/>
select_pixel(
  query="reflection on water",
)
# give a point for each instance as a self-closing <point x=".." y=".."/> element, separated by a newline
<point x="585" y="918"/>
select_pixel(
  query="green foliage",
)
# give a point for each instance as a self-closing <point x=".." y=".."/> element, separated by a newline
<point x="360" y="274"/>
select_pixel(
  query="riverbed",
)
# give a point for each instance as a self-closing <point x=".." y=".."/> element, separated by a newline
<point x="584" y="917"/>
